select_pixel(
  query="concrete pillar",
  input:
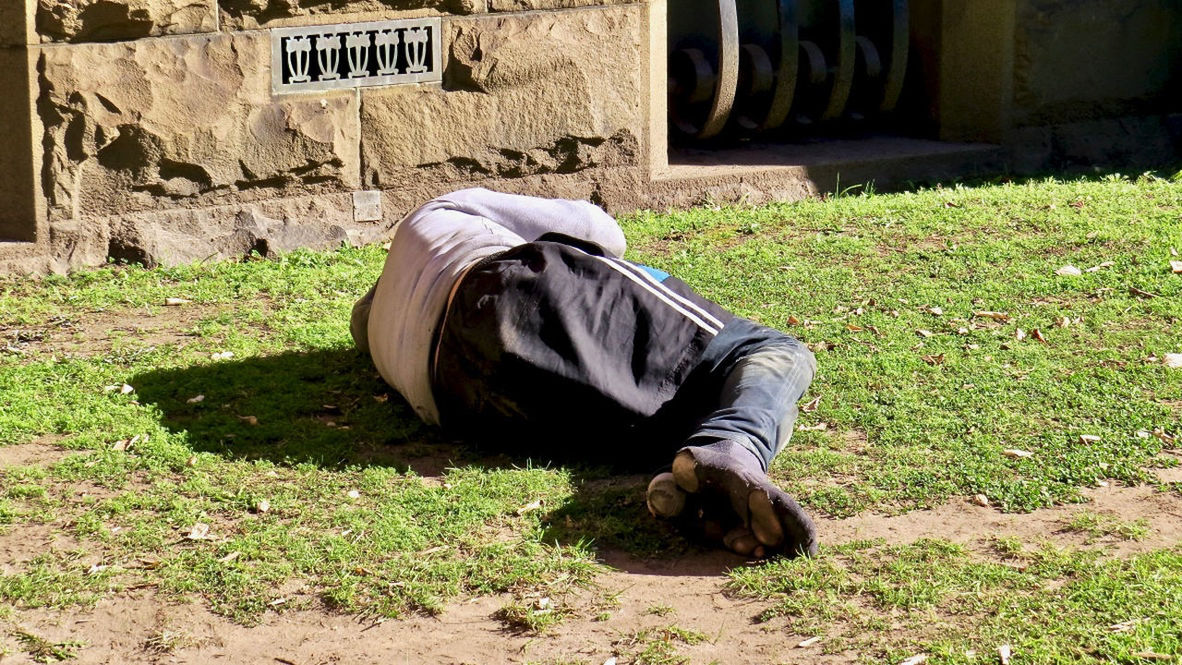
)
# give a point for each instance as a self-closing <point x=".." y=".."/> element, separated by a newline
<point x="964" y="53"/>
<point x="18" y="209"/>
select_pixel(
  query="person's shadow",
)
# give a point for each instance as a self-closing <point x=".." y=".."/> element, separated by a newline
<point x="329" y="408"/>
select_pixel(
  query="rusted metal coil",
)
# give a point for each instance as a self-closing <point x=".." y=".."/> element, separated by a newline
<point x="739" y="67"/>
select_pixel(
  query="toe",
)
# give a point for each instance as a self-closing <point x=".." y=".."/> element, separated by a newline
<point x="664" y="497"/>
<point x="765" y="522"/>
<point x="741" y="541"/>
<point x="685" y="471"/>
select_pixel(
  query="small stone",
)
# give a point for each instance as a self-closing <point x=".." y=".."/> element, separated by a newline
<point x="353" y="494"/>
<point x="262" y="506"/>
<point x="981" y="500"/>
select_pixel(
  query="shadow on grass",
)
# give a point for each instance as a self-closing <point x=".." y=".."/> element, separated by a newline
<point x="326" y="408"/>
<point x="331" y="409"/>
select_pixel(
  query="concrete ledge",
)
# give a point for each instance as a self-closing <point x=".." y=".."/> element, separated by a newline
<point x="761" y="173"/>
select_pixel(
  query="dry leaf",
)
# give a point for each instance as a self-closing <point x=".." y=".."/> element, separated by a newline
<point x="610" y="661"/>
<point x="96" y="568"/>
<point x="1037" y="334"/>
<point x="200" y="531"/>
<point x="1176" y="267"/>
<point x="924" y="333"/>
<point x="792" y="320"/>
<point x="1016" y="453"/>
<point x="121" y="444"/>
<point x="249" y="420"/>
<point x="1106" y="264"/>
<point x="1138" y="292"/>
<point x="1164" y="437"/>
<point x="809" y="642"/>
<point x="277" y="602"/>
<point x="996" y="316"/>
<point x="934" y="360"/>
<point x="196" y="399"/>
<point x="812" y="405"/>
<point x="1069" y="271"/>
<point x="381" y="399"/>
<point x="175" y="302"/>
<point x="1173" y="252"/>
<point x="1004" y="652"/>
<point x="1173" y="360"/>
<point x="1150" y="655"/>
<point x="819" y="427"/>
<point x="230" y="557"/>
<point x="262" y="506"/>
<point x="223" y="355"/>
<point x="1142" y="434"/>
<point x="981" y="500"/>
<point x="935" y="310"/>
<point x="531" y="506"/>
<point x="1019" y="334"/>
<point x="1063" y="322"/>
<point x="1088" y="438"/>
<point x="192" y="461"/>
<point x="853" y="328"/>
<point x="915" y="660"/>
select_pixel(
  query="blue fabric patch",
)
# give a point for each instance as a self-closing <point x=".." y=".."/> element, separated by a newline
<point x="659" y="275"/>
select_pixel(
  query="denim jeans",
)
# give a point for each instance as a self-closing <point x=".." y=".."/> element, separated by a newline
<point x="758" y="374"/>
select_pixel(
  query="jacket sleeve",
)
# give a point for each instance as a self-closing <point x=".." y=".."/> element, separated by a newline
<point x="532" y="218"/>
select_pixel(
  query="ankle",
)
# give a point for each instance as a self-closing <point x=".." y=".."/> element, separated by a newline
<point x="741" y="454"/>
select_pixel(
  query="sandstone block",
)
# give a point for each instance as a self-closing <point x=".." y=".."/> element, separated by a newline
<point x="250" y="14"/>
<point x="111" y="20"/>
<point x="1093" y="58"/>
<point x="16" y="22"/>
<point x="156" y="124"/>
<point x="221" y="232"/>
<point x="522" y="95"/>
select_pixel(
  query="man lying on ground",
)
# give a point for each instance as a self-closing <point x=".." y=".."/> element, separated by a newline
<point x="515" y="320"/>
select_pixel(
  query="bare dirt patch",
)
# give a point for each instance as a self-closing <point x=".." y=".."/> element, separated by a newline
<point x="40" y="452"/>
<point x="95" y="333"/>
<point x="608" y="620"/>
<point x="962" y="521"/>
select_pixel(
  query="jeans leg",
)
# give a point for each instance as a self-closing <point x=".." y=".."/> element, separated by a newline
<point x="757" y="405"/>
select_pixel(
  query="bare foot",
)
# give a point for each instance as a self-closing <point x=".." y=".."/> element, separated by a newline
<point x="731" y="495"/>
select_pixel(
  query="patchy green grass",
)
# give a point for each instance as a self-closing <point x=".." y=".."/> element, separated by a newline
<point x="660" y="646"/>
<point x="921" y="390"/>
<point x="1098" y="526"/>
<point x="287" y="475"/>
<point x="935" y="597"/>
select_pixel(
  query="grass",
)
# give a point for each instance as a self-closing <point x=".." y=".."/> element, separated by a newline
<point x="1098" y="526"/>
<point x="369" y="512"/>
<point x="1050" y="605"/>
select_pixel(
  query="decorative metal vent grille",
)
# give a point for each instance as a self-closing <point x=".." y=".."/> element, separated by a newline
<point x="351" y="55"/>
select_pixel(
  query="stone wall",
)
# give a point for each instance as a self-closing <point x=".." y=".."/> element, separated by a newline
<point x="1085" y="59"/>
<point x="151" y="131"/>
